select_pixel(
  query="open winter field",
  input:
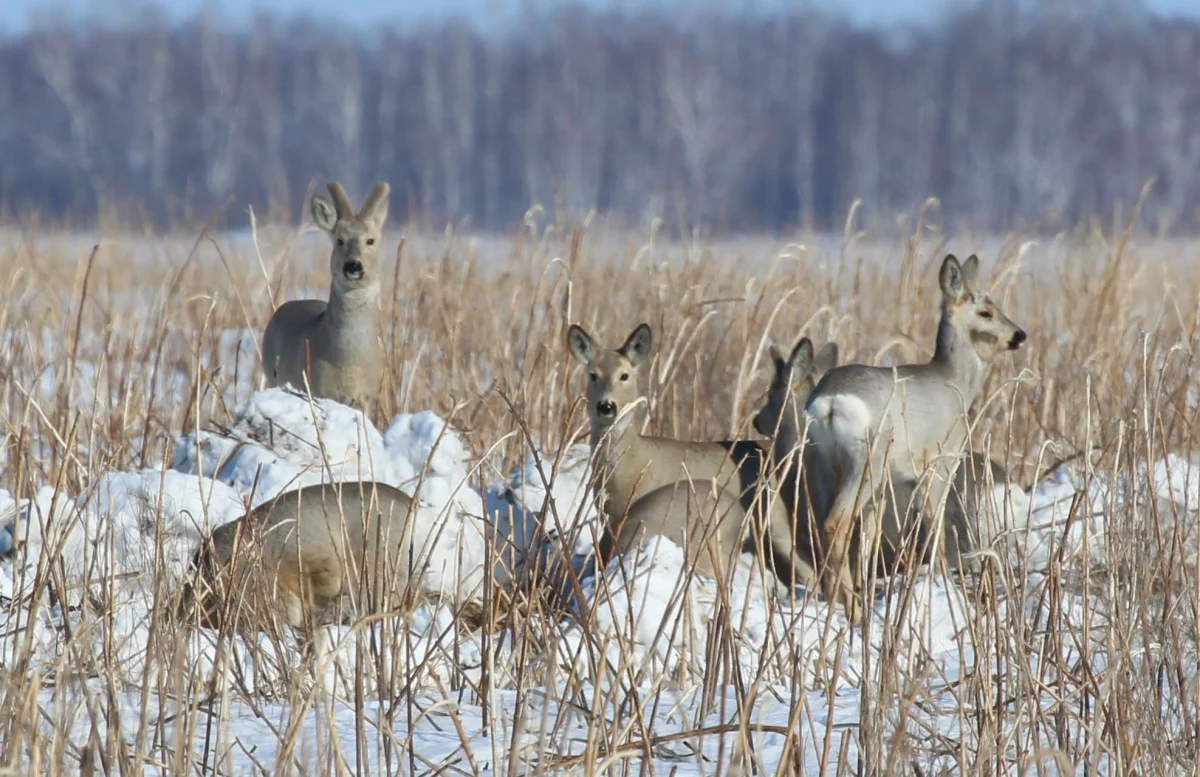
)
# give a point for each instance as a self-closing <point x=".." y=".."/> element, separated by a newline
<point x="131" y="426"/>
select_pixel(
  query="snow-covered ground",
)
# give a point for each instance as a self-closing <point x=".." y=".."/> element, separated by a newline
<point x="643" y="631"/>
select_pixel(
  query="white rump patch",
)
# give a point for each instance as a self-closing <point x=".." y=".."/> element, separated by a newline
<point x="840" y="419"/>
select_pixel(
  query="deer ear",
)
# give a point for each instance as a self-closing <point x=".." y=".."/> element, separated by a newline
<point x="826" y="360"/>
<point x="951" y="278"/>
<point x="323" y="213"/>
<point x="801" y="357"/>
<point x="579" y="343"/>
<point x="341" y="201"/>
<point x="638" y="345"/>
<point x="375" y="210"/>
<point x="970" y="269"/>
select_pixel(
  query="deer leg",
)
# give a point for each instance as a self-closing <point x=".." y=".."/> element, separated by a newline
<point x="800" y="570"/>
<point x="838" y="580"/>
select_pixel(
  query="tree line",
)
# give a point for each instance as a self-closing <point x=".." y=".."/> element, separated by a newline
<point x="1006" y="112"/>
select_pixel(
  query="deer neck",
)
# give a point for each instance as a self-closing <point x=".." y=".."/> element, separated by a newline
<point x="795" y="467"/>
<point x="610" y="441"/>
<point x="614" y="443"/>
<point x="957" y="360"/>
<point x="787" y="436"/>
<point x="350" y="315"/>
<point x="785" y="449"/>
<point x="620" y="457"/>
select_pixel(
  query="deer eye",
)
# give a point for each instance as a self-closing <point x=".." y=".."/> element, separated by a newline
<point x="624" y="376"/>
<point x="341" y="241"/>
<point x="593" y="376"/>
<point x="370" y="241"/>
<point x="985" y="315"/>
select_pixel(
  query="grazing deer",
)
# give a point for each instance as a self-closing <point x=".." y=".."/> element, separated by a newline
<point x="781" y="417"/>
<point x="869" y="422"/>
<point x="335" y="343"/>
<point x="307" y="552"/>
<point x="631" y="467"/>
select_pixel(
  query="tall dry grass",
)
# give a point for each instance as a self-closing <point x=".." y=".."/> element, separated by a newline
<point x="110" y="353"/>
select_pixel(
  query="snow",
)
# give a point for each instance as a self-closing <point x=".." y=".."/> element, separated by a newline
<point x="1177" y="481"/>
<point x="557" y="486"/>
<point x="236" y="350"/>
<point x="641" y="623"/>
<point x="281" y="440"/>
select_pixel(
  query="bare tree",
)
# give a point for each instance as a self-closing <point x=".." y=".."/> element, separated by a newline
<point x="218" y="124"/>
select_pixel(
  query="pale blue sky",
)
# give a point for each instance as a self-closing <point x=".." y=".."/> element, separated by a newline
<point x="19" y="13"/>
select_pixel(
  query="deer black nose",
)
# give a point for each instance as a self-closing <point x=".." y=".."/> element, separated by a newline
<point x="606" y="408"/>
<point x="1017" y="339"/>
<point x="353" y="269"/>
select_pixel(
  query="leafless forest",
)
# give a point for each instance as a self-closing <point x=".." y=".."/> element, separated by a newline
<point x="738" y="123"/>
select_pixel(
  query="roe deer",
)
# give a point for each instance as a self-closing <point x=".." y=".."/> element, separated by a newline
<point x="335" y="342"/>
<point x="803" y="482"/>
<point x="631" y="466"/>
<point x="307" y="551"/>
<point x="907" y="419"/>
<point x="781" y="416"/>
<point x="706" y="518"/>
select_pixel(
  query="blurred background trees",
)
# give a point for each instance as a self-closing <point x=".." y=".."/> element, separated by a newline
<point x="1006" y="111"/>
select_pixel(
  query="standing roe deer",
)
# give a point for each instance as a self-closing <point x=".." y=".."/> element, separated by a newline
<point x="781" y="416"/>
<point x="308" y="551"/>
<point x="336" y="343"/>
<point x="907" y="419"/>
<point x="637" y="474"/>
<point x="803" y="482"/>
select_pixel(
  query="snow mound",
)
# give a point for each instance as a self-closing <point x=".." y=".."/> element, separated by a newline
<point x="154" y="515"/>
<point x="573" y="510"/>
<point x="516" y="504"/>
<point x="114" y="541"/>
<point x="426" y="451"/>
<point x="281" y="441"/>
<point x="645" y="611"/>
<point x="128" y="528"/>
<point x="1071" y="512"/>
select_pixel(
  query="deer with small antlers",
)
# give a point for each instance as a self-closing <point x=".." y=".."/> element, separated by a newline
<point x="332" y="347"/>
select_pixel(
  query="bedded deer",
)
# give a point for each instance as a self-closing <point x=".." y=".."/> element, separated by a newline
<point x="906" y="421"/>
<point x="656" y="485"/>
<point x="335" y="343"/>
<point x="805" y="480"/>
